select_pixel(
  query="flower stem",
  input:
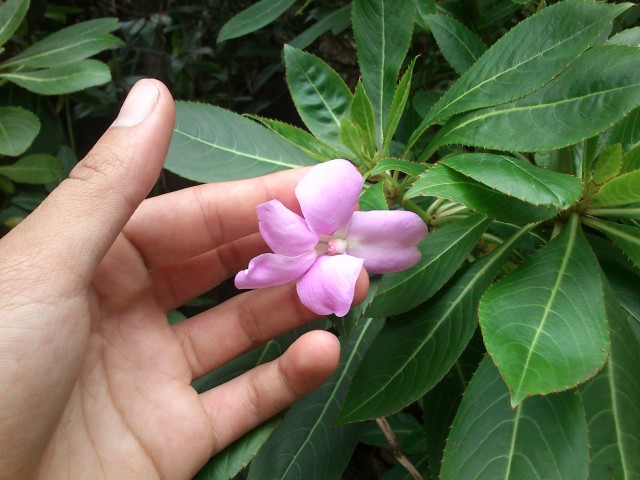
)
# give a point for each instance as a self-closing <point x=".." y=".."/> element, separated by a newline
<point x="395" y="449"/>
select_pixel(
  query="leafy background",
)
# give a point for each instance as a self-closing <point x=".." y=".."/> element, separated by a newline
<point x="511" y="127"/>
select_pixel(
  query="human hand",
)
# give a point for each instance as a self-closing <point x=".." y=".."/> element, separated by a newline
<point x="96" y="383"/>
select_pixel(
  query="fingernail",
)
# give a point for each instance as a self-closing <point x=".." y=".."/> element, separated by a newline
<point x="138" y="105"/>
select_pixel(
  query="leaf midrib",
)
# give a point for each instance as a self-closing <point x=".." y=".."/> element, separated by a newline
<point x="573" y="226"/>
<point x="328" y="402"/>
<point x="616" y="416"/>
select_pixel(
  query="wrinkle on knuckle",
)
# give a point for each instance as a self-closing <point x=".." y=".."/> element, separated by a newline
<point x="190" y="351"/>
<point x="250" y="325"/>
<point x="256" y="401"/>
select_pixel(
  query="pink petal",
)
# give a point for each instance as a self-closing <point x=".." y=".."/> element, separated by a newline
<point x="270" y="269"/>
<point x="328" y="194"/>
<point x="386" y="239"/>
<point x="328" y="287"/>
<point x="284" y="231"/>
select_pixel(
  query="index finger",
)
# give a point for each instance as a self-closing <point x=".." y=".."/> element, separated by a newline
<point x="180" y="225"/>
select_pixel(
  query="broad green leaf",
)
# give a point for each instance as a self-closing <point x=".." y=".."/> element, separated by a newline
<point x="210" y="144"/>
<point x="629" y="37"/>
<point x="608" y="164"/>
<point x="319" y="94"/>
<point x="611" y="402"/>
<point x="597" y="90"/>
<point x="258" y="15"/>
<point x="353" y="138"/>
<point x="518" y="179"/>
<point x="382" y="30"/>
<point x="69" y="45"/>
<point x="34" y="169"/>
<point x="544" y="438"/>
<point x="561" y="32"/>
<point x="631" y="160"/>
<point x="18" y="129"/>
<point x="228" y="463"/>
<point x="443" y="251"/>
<point x="63" y="79"/>
<point x="544" y="324"/>
<point x="626" y="237"/>
<point x="11" y="14"/>
<point x="421" y="346"/>
<point x="300" y="138"/>
<point x="373" y="198"/>
<point x="28" y="201"/>
<point x="441" y="181"/>
<point x="409" y="168"/>
<point x="307" y="444"/>
<point x="627" y="132"/>
<point x="403" y="426"/>
<point x="440" y="404"/>
<point x="621" y="190"/>
<point x="398" y="104"/>
<point x="400" y="473"/>
<point x="362" y="115"/>
<point x="459" y="45"/>
<point x="337" y="20"/>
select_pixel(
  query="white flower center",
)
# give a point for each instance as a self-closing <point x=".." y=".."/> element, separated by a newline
<point x="330" y="245"/>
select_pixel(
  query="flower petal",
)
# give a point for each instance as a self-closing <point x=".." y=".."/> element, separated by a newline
<point x="328" y="194"/>
<point x="270" y="269"/>
<point x="386" y="239"/>
<point x="329" y="286"/>
<point x="284" y="231"/>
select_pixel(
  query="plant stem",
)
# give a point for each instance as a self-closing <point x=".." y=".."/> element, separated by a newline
<point x="395" y="449"/>
<point x="614" y="212"/>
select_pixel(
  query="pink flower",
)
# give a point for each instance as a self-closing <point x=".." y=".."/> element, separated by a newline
<point x="327" y="248"/>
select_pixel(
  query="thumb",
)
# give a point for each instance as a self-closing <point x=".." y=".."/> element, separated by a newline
<point x="79" y="221"/>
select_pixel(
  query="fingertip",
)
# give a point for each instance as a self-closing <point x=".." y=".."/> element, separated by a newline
<point x="311" y="360"/>
<point x="362" y="287"/>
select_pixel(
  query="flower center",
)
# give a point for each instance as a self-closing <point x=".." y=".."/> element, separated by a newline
<point x="330" y="245"/>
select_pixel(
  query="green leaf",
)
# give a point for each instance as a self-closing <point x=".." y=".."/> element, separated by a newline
<point x="382" y="30"/>
<point x="373" y="198"/>
<point x="18" y="129"/>
<point x="611" y="402"/>
<point x="545" y="437"/>
<point x="621" y="190"/>
<point x="362" y="115"/>
<point x="459" y="45"/>
<point x="629" y="37"/>
<point x="69" y="45"/>
<point x="33" y="169"/>
<point x="353" y="138"/>
<point x="597" y="90"/>
<point x="631" y="160"/>
<point x="626" y="237"/>
<point x="258" y="15"/>
<point x="319" y="94"/>
<point x="442" y="181"/>
<point x="443" y="252"/>
<point x="421" y="346"/>
<point x="608" y="164"/>
<point x="61" y="80"/>
<point x="409" y="168"/>
<point x="28" y="201"/>
<point x="300" y="138"/>
<point x="562" y="32"/>
<point x="228" y="463"/>
<point x="544" y="324"/>
<point x="518" y="179"/>
<point x="211" y="144"/>
<point x="398" y="104"/>
<point x="11" y="14"/>
<point x="306" y="444"/>
<point x="403" y="426"/>
<point x="627" y="132"/>
<point x="338" y="20"/>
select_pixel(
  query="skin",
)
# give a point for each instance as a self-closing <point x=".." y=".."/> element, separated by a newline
<point x="94" y="382"/>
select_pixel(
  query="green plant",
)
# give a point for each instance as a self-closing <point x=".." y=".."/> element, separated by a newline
<point x="35" y="79"/>
<point x="523" y="157"/>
